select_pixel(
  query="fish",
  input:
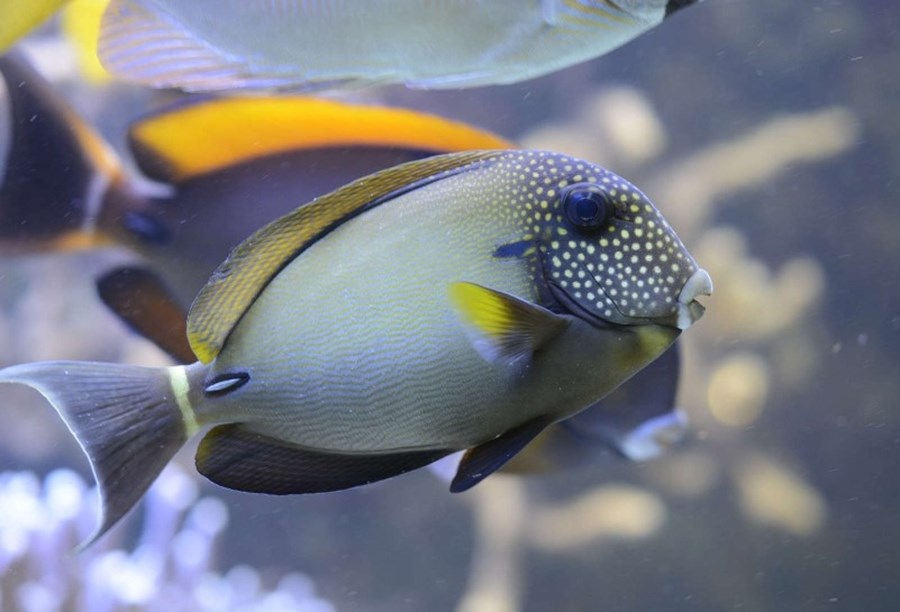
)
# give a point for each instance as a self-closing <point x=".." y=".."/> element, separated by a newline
<point x="199" y="184"/>
<point x="460" y="302"/>
<point x="183" y="147"/>
<point x="638" y="421"/>
<point x="41" y="207"/>
<point x="20" y="18"/>
<point x="300" y="45"/>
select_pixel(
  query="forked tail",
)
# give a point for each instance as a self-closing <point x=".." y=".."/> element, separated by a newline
<point x="126" y="418"/>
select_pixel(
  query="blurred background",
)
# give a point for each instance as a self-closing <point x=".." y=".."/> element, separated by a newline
<point x="766" y="132"/>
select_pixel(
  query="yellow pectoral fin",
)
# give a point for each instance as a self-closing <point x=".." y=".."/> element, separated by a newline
<point x="502" y="327"/>
<point x="190" y="141"/>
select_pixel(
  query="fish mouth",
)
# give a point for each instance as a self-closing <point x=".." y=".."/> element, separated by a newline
<point x="689" y="309"/>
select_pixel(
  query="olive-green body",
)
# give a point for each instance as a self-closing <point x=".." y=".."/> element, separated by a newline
<point x="464" y="301"/>
<point x="355" y="346"/>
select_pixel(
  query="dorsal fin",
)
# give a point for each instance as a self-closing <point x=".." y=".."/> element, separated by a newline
<point x="246" y="271"/>
<point x="190" y="140"/>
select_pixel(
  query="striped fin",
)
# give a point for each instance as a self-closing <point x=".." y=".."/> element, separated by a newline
<point x="189" y="141"/>
<point x="149" y="47"/>
<point x="235" y="284"/>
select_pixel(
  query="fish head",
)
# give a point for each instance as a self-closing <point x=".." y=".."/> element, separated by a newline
<point x="607" y="254"/>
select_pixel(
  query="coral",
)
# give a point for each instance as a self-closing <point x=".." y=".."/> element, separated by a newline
<point x="171" y="566"/>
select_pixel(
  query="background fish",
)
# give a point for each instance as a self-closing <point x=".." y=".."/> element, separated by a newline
<point x="209" y="183"/>
<point x="297" y="44"/>
<point x="637" y="421"/>
<point x="43" y="205"/>
<point x="18" y="18"/>
<point x="470" y="301"/>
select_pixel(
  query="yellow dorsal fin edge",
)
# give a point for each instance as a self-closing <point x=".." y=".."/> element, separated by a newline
<point x="200" y="138"/>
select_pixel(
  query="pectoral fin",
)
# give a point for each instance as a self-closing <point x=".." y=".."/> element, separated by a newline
<point x="483" y="460"/>
<point x="236" y="457"/>
<point x="503" y="328"/>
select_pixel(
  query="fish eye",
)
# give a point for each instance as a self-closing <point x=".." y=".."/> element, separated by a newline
<point x="148" y="229"/>
<point x="586" y="206"/>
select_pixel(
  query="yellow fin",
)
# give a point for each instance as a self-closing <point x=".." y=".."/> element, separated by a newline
<point x="234" y="285"/>
<point x="21" y="17"/>
<point x="503" y="328"/>
<point x="192" y="140"/>
<point x="80" y="22"/>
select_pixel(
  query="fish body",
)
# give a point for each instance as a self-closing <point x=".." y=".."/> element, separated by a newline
<point x="226" y="182"/>
<point x="466" y="301"/>
<point x="638" y="421"/>
<point x="299" y="44"/>
<point x="385" y="306"/>
<point x="208" y="184"/>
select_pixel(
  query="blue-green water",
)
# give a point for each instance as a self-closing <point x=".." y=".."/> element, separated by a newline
<point x="767" y="133"/>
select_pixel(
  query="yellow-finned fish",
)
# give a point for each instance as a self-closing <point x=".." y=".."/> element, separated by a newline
<point x="18" y="18"/>
<point x="213" y="173"/>
<point x="465" y="301"/>
<point x="211" y="181"/>
<point x="295" y="44"/>
<point x="289" y="149"/>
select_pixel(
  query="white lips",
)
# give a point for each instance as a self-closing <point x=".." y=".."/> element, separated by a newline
<point x="688" y="309"/>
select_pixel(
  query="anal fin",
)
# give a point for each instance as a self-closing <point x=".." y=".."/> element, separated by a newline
<point x="483" y="460"/>
<point x="236" y="457"/>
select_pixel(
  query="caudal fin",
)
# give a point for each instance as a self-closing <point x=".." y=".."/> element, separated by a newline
<point x="126" y="418"/>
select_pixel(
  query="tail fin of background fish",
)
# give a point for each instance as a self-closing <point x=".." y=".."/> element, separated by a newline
<point x="126" y="418"/>
<point x="59" y="180"/>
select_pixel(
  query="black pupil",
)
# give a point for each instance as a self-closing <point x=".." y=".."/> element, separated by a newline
<point x="587" y="208"/>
